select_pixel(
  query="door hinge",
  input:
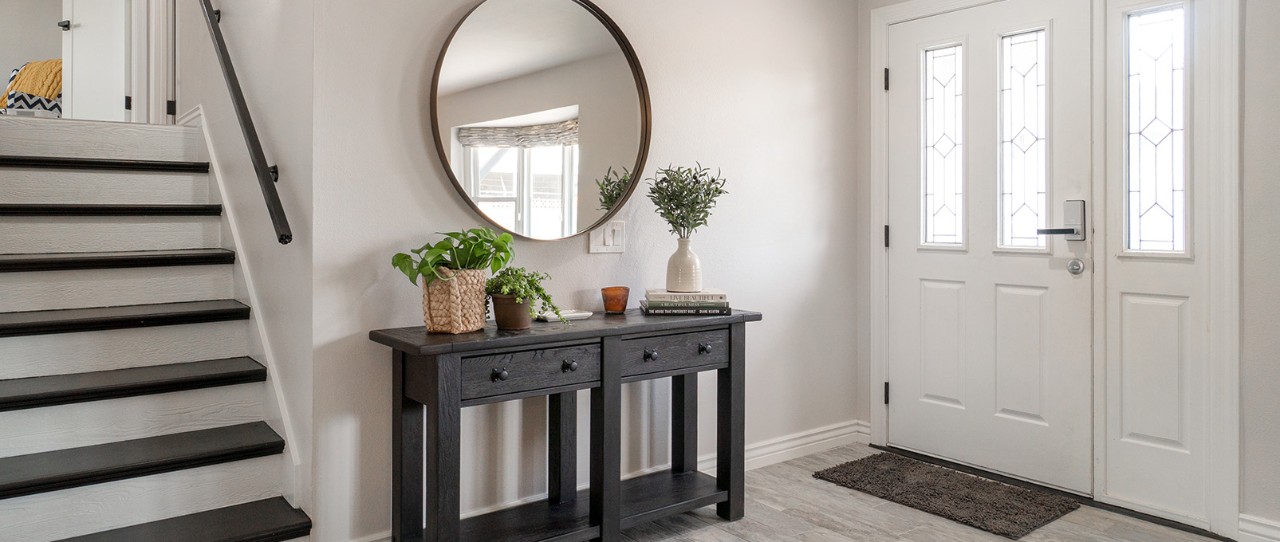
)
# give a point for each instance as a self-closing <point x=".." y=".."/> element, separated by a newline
<point x="886" y="236"/>
<point x="128" y="103"/>
<point x="886" y="393"/>
<point x="171" y="107"/>
<point x="886" y="79"/>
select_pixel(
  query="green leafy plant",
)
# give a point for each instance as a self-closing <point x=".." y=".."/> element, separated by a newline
<point x="685" y="196"/>
<point x="527" y="288"/>
<point x="612" y="187"/>
<point x="478" y="248"/>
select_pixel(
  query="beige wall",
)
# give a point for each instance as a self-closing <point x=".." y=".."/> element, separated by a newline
<point x="1260" y="374"/>
<point x="28" y="32"/>
<point x="760" y="88"/>
<point x="270" y="43"/>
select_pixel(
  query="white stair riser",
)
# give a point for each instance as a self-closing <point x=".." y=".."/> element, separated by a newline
<point x="113" y="140"/>
<point x="34" y="235"/>
<point x="112" y="505"/>
<point x="119" y="187"/>
<point x="48" y="290"/>
<point x="45" y="429"/>
<point x="41" y="355"/>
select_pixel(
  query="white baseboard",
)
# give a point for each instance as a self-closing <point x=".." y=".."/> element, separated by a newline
<point x="788" y="447"/>
<point x="1256" y="529"/>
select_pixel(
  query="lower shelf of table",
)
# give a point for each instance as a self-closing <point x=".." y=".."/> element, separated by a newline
<point x="645" y="498"/>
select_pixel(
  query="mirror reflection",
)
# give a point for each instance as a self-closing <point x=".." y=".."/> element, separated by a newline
<point x="538" y="116"/>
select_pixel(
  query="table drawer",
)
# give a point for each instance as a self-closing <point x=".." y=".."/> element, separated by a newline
<point x="673" y="352"/>
<point x="482" y="376"/>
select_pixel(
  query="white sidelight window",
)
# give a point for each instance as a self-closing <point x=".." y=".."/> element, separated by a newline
<point x="1155" y="127"/>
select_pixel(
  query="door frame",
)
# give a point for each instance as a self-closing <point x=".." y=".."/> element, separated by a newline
<point x="151" y="79"/>
<point x="1217" y="85"/>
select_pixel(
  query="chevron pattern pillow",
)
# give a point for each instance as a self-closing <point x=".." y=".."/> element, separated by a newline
<point x="22" y="100"/>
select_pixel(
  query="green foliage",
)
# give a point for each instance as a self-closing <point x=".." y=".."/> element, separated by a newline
<point x="478" y="248"/>
<point x="527" y="288"/>
<point x="685" y="196"/>
<point x="612" y="187"/>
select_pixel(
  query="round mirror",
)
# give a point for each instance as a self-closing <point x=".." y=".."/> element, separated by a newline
<point x="541" y="115"/>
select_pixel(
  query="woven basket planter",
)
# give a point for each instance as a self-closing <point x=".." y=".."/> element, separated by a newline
<point x="456" y="305"/>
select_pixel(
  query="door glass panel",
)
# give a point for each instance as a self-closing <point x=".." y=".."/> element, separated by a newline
<point x="942" y="220"/>
<point x="1156" y="129"/>
<point x="1023" y="140"/>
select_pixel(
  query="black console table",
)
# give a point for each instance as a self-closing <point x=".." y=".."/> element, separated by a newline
<point x="436" y="376"/>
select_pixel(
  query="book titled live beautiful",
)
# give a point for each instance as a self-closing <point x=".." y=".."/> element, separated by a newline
<point x="707" y="295"/>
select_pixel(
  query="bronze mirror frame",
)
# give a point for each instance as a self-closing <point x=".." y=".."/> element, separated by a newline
<point x="642" y="92"/>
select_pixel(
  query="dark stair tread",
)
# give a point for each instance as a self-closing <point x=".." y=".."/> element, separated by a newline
<point x="114" y="260"/>
<point x="270" y="520"/>
<point x="75" y="467"/>
<point x="128" y="316"/>
<point x="50" y="162"/>
<point x="92" y="209"/>
<point x="44" y="391"/>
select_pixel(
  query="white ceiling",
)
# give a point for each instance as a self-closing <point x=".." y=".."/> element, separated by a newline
<point x="550" y="116"/>
<point x="503" y="39"/>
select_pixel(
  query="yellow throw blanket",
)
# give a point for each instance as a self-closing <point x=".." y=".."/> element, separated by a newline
<point x="43" y="78"/>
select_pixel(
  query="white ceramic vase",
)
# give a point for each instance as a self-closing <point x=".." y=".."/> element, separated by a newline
<point x="684" y="270"/>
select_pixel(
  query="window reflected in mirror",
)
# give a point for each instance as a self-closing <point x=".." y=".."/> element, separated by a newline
<point x="540" y="116"/>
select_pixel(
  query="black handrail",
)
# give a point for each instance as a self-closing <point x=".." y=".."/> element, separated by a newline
<point x="267" y="175"/>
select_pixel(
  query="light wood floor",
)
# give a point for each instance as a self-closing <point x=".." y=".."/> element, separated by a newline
<point x="785" y="503"/>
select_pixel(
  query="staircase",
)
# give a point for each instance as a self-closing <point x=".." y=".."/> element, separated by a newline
<point x="130" y="409"/>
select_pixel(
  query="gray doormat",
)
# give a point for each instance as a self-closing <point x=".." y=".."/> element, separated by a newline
<point x="1002" y="509"/>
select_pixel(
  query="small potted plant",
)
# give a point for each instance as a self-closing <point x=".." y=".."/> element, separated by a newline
<point x="514" y="291"/>
<point x="684" y="198"/>
<point x="613" y="187"/>
<point x="453" y="272"/>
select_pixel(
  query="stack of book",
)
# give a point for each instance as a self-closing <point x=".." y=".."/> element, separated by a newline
<point x="709" y="302"/>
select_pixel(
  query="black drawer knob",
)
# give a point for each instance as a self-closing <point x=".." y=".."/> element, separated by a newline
<point x="499" y="375"/>
<point x="568" y="366"/>
<point x="650" y="354"/>
<point x="704" y="348"/>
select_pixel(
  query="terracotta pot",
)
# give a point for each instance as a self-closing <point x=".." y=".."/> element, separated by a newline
<point x="511" y="316"/>
<point x="456" y="305"/>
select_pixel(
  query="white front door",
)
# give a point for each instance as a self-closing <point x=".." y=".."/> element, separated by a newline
<point x="990" y="334"/>
<point x="95" y="59"/>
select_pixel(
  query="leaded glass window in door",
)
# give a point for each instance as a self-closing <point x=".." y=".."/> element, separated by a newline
<point x="1155" y="102"/>
<point x="1023" y="167"/>
<point x="942" y="220"/>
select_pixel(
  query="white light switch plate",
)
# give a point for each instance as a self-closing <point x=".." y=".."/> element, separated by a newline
<point x="608" y="239"/>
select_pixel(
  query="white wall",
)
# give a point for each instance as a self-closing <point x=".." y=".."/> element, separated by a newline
<point x="28" y="32"/>
<point x="1261" y="287"/>
<point x="608" y="115"/>
<point x="271" y="46"/>
<point x="760" y="88"/>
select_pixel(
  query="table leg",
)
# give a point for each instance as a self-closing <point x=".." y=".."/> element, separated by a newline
<point x="730" y="461"/>
<point x="606" y="443"/>
<point x="443" y="388"/>
<point x="406" y="459"/>
<point x="684" y="423"/>
<point x="562" y="447"/>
